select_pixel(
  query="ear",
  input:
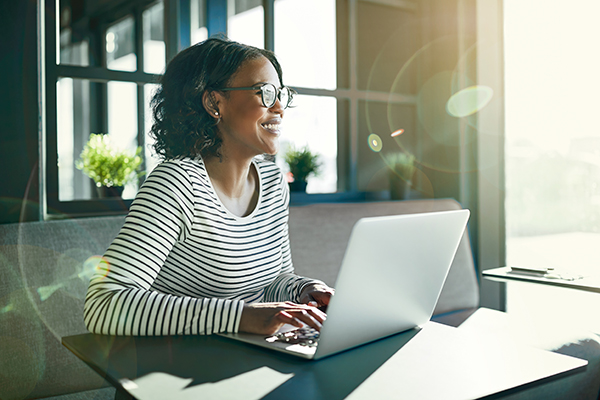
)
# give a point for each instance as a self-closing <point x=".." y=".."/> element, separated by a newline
<point x="211" y="104"/>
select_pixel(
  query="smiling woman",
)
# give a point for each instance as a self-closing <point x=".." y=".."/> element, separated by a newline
<point x="205" y="246"/>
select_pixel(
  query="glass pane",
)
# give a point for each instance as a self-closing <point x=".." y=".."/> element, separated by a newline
<point x="73" y="123"/>
<point x="246" y="23"/>
<point x="120" y="46"/>
<point x="150" y="157"/>
<point x="198" y="21"/>
<point x="74" y="43"/>
<point x="122" y="122"/>
<point x="78" y="116"/>
<point x="154" y="42"/>
<point x="305" y="42"/>
<point x="313" y="123"/>
<point x="73" y="53"/>
<point x="552" y="151"/>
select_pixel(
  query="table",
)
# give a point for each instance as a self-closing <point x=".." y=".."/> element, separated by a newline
<point x="504" y="274"/>
<point x="435" y="361"/>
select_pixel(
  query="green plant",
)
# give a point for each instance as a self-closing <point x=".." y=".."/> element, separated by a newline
<point x="302" y="163"/>
<point x="107" y="165"/>
<point x="403" y="165"/>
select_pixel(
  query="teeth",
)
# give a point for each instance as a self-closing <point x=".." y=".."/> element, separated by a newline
<point x="271" y="126"/>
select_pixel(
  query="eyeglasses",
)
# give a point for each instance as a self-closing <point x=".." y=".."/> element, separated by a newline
<point x="269" y="94"/>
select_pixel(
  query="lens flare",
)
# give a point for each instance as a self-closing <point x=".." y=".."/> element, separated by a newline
<point x="90" y="265"/>
<point x="46" y="291"/>
<point x="375" y="142"/>
<point x="94" y="264"/>
<point x="9" y="307"/>
<point x="469" y="100"/>
<point x="88" y="268"/>
<point x="398" y="132"/>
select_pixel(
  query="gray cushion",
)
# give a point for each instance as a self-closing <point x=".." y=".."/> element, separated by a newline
<point x="319" y="234"/>
<point x="43" y="281"/>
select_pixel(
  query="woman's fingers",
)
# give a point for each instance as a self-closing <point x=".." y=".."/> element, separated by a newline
<point x="310" y="316"/>
<point x="299" y="315"/>
<point x="286" y="318"/>
<point x="266" y="318"/>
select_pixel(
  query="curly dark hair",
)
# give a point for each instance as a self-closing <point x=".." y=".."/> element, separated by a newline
<point x="182" y="126"/>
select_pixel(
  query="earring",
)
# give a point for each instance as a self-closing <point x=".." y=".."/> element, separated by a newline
<point x="216" y="113"/>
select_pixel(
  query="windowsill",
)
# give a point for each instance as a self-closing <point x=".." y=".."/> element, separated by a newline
<point x="87" y="208"/>
<point x="301" y="198"/>
<point x="108" y="207"/>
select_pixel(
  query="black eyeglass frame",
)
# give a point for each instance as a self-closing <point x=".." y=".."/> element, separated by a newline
<point x="291" y="92"/>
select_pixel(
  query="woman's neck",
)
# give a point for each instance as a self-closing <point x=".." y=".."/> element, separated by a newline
<point x="235" y="182"/>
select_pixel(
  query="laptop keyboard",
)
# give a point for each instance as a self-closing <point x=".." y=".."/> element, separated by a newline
<point x="303" y="336"/>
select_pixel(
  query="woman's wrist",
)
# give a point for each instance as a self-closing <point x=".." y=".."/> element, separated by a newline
<point x="238" y="318"/>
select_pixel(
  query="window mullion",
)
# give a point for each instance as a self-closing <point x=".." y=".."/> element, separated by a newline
<point x="269" y="10"/>
<point x="352" y="23"/>
<point x="139" y="50"/>
<point x="51" y="78"/>
<point x="184" y="25"/>
<point x="216" y="17"/>
<point x="171" y="24"/>
<point x="139" y="39"/>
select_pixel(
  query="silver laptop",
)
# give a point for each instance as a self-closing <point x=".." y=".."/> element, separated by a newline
<point x="389" y="282"/>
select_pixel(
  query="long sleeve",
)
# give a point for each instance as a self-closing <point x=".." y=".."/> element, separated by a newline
<point x="120" y="299"/>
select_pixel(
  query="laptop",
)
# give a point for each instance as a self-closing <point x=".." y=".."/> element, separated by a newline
<point x="390" y="280"/>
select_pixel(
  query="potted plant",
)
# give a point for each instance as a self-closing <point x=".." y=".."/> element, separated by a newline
<point x="402" y="168"/>
<point x="302" y="163"/>
<point x="111" y="168"/>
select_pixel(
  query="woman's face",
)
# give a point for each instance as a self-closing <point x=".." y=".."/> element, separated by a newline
<point x="247" y="127"/>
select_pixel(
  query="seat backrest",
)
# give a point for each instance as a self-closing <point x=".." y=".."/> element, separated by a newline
<point x="44" y="273"/>
<point x="319" y="234"/>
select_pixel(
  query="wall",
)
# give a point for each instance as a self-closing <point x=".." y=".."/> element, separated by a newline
<point x="18" y="112"/>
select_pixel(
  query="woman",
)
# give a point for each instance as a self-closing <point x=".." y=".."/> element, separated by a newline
<point x="205" y="246"/>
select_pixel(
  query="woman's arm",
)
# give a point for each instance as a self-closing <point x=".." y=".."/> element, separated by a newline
<point x="120" y="300"/>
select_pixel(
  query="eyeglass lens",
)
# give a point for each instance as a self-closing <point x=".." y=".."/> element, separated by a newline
<point x="269" y="94"/>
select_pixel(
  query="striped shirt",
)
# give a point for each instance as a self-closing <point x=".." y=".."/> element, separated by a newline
<point x="184" y="264"/>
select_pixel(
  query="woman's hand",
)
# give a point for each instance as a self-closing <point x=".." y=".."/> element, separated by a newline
<point x="316" y="294"/>
<point x="267" y="318"/>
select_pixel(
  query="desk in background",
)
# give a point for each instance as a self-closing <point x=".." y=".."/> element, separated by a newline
<point x="504" y="274"/>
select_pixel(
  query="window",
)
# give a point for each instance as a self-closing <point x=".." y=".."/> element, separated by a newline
<point x="98" y="81"/>
<point x="339" y="65"/>
<point x="309" y="61"/>
<point x="246" y="22"/>
<point x="552" y="152"/>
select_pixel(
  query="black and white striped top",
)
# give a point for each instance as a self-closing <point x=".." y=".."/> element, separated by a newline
<point x="184" y="264"/>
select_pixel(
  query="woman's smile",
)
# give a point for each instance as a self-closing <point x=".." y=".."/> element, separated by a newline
<point x="273" y="126"/>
